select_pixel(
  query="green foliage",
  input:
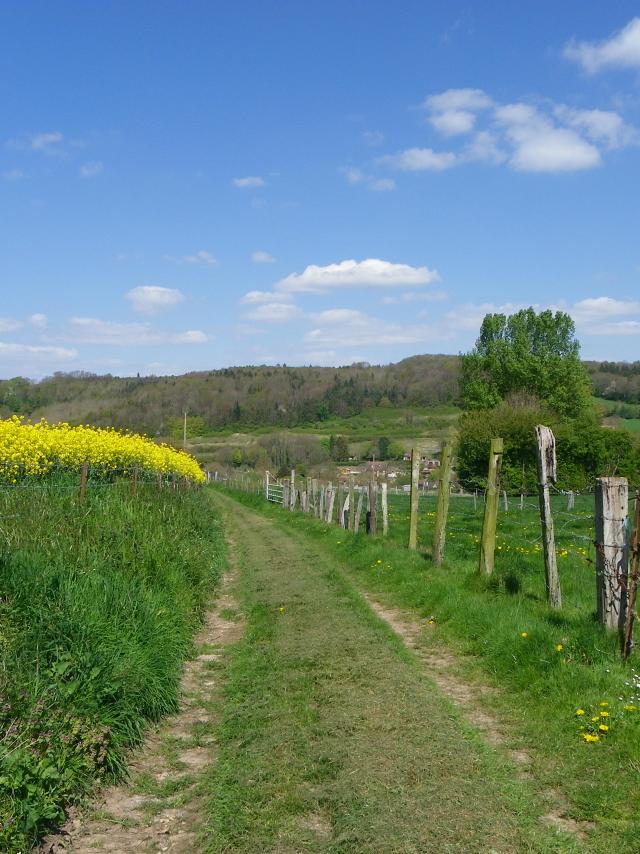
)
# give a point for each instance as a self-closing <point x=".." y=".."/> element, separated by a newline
<point x="383" y="448"/>
<point x="196" y="426"/>
<point x="338" y="448"/>
<point x="526" y="352"/>
<point x="98" y="605"/>
<point x="584" y="449"/>
<point x="236" y="457"/>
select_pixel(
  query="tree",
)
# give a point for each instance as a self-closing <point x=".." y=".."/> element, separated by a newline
<point x="383" y="448"/>
<point x="338" y="448"/>
<point x="526" y="352"/>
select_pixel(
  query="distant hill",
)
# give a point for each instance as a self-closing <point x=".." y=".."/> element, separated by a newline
<point x="244" y="397"/>
<point x="237" y="397"/>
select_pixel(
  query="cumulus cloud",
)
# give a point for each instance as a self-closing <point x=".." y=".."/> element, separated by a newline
<point x="9" y="324"/>
<point x="355" y="176"/>
<point x="12" y="349"/>
<point x="454" y="112"/>
<point x="606" y="316"/>
<point x="262" y="257"/>
<point x="420" y="160"/>
<point x="151" y="299"/>
<point x="274" y="312"/>
<point x="370" y="273"/>
<point x="539" y="146"/>
<point x="258" y="297"/>
<point x="601" y="126"/>
<point x="249" y="182"/>
<point x="621" y="50"/>
<point x="91" y="169"/>
<point x="91" y="330"/>
<point x="347" y="328"/>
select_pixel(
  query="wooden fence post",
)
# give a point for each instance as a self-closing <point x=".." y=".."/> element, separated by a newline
<point x="344" y="513"/>
<point x="442" y="506"/>
<point x="385" y="509"/>
<point x="547" y="473"/>
<point x="505" y="500"/>
<point x="331" y="499"/>
<point x="632" y="586"/>
<point x="340" y="500"/>
<point x="488" y="540"/>
<point x="571" y="500"/>
<point x="352" y="503"/>
<point x="413" y="505"/>
<point x="292" y="505"/>
<point x="612" y="552"/>
<point x="266" y="485"/>
<point x="84" y="473"/>
<point x="372" y="515"/>
<point x="356" y="523"/>
<point x="322" y="502"/>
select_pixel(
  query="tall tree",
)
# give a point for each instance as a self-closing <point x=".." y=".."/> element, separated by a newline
<point x="530" y="352"/>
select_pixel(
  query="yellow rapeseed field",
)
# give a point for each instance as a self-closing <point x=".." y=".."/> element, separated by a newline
<point x="35" y="450"/>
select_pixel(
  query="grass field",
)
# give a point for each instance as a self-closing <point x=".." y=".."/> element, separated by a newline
<point x="558" y="675"/>
<point x="98" y="605"/>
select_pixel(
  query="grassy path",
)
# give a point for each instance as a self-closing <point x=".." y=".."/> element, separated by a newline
<point x="333" y="737"/>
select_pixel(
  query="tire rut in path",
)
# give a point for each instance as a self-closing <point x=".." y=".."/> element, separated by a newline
<point x="159" y="808"/>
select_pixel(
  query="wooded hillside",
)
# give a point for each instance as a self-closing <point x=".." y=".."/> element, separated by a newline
<point x="278" y="396"/>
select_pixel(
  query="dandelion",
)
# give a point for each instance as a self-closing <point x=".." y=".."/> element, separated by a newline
<point x="630" y="708"/>
<point x="604" y="714"/>
<point x="603" y="703"/>
<point x="590" y="737"/>
<point x="579" y="712"/>
<point x="559" y="647"/>
<point x="524" y="634"/>
<point x="281" y="609"/>
<point x="603" y="728"/>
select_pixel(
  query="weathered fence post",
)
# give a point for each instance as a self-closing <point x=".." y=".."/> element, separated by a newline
<point x="442" y="506"/>
<point x="322" y="502"/>
<point x="612" y="550"/>
<point x="331" y="499"/>
<point x="356" y="523"/>
<point x="372" y="514"/>
<point x="352" y="503"/>
<point x="488" y="540"/>
<point x="505" y="500"/>
<point x="385" y="508"/>
<point x="547" y="473"/>
<point x="340" y="500"/>
<point x="632" y="585"/>
<point x="266" y="485"/>
<point x="571" y="500"/>
<point x="344" y="514"/>
<point x="292" y="505"/>
<point x="84" y="473"/>
<point x="413" y="506"/>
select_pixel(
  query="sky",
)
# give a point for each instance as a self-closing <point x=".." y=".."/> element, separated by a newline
<point x="193" y="185"/>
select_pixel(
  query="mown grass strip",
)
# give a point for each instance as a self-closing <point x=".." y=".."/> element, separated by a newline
<point x="333" y="739"/>
<point x="542" y="687"/>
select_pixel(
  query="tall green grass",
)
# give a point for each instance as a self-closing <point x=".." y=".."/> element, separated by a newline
<point x="98" y="606"/>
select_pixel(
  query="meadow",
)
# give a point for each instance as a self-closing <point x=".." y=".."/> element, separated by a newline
<point x="99" y="600"/>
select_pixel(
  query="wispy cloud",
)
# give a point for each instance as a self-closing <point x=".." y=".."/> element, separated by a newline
<point x="91" y="330"/>
<point x="621" y="50"/>
<point x="9" y="324"/>
<point x="275" y="312"/>
<point x="370" y="273"/>
<point x="44" y="351"/>
<point x="373" y="137"/>
<point x="91" y="169"/>
<point x="420" y="160"/>
<point x="39" y="320"/>
<point x="262" y="257"/>
<point x="201" y="257"/>
<point x="337" y="329"/>
<point x="258" y="297"/>
<point x="249" y="182"/>
<point x="152" y="299"/>
<point x="355" y="176"/>
<point x="13" y="175"/>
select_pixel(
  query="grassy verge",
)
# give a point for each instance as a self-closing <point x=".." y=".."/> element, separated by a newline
<point x="333" y="739"/>
<point x="97" y="610"/>
<point x="548" y="665"/>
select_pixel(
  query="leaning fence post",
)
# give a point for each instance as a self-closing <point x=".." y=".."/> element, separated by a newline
<point x="413" y="506"/>
<point x="385" y="508"/>
<point x="547" y="474"/>
<point x="84" y="473"/>
<point x="632" y="587"/>
<point x="442" y="506"/>
<point x="612" y="552"/>
<point x="488" y="540"/>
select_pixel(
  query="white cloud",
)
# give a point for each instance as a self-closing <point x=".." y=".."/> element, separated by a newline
<point x="249" y="182"/>
<point x="347" y="328"/>
<point x="370" y="273"/>
<point x="258" y="297"/>
<point x="274" y="312"/>
<point x="601" y="126"/>
<point x="48" y="143"/>
<point x="91" y="330"/>
<point x="201" y="257"/>
<point x="373" y="137"/>
<point x="13" y="175"/>
<point x="594" y="310"/>
<point x="469" y="316"/>
<point x="453" y="122"/>
<point x="91" y="169"/>
<point x="420" y="160"/>
<point x="261" y="257"/>
<point x="382" y="185"/>
<point x="539" y="146"/>
<point x="621" y="50"/>
<point x="452" y="100"/>
<point x="355" y="176"/>
<point x="39" y="320"/>
<point x="484" y="147"/>
<point x="150" y="299"/>
<point x="37" y="350"/>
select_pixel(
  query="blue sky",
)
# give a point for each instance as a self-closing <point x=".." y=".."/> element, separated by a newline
<point x="186" y="186"/>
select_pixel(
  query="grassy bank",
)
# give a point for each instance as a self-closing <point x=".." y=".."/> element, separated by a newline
<point x="98" y="606"/>
<point x="546" y="666"/>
